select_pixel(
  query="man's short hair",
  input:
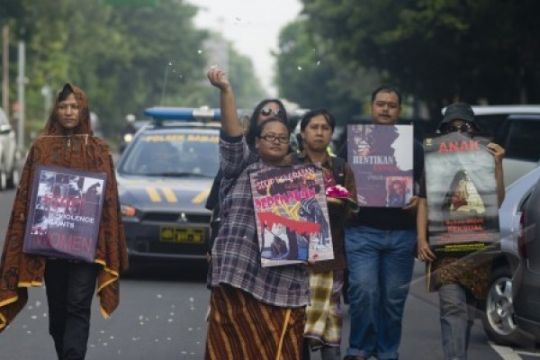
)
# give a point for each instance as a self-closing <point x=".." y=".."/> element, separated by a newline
<point x="386" y="88"/>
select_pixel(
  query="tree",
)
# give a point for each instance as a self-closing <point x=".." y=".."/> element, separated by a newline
<point x="310" y="74"/>
<point x="440" y="50"/>
<point x="126" y="55"/>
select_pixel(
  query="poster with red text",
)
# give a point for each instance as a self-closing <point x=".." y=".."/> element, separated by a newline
<point x="64" y="213"/>
<point x="292" y="215"/>
<point x="381" y="157"/>
<point x="461" y="194"/>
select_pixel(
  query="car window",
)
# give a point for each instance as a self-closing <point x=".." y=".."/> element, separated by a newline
<point x="490" y="125"/>
<point x="173" y="154"/>
<point x="522" y="140"/>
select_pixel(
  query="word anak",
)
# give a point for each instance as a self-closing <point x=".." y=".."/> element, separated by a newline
<point x="373" y="160"/>
<point x="459" y="146"/>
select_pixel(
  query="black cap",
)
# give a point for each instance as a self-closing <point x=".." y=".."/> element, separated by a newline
<point x="459" y="111"/>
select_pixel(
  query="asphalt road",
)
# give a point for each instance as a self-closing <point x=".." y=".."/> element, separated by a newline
<point x="162" y="316"/>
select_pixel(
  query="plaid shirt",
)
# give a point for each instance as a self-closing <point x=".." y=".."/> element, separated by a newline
<point x="236" y="258"/>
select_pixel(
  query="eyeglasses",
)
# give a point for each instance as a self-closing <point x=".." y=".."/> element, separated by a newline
<point x="274" y="138"/>
<point x="266" y="111"/>
<point x="465" y="127"/>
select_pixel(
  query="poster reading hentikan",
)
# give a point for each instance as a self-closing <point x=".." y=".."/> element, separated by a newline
<point x="461" y="194"/>
<point x="381" y="157"/>
<point x="64" y="213"/>
<point x="292" y="215"/>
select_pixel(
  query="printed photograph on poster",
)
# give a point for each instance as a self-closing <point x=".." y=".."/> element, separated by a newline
<point x="399" y="190"/>
<point x="461" y="194"/>
<point x="381" y="157"/>
<point x="64" y="213"/>
<point x="292" y="215"/>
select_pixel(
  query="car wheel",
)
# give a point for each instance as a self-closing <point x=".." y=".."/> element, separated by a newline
<point x="13" y="180"/>
<point x="498" y="311"/>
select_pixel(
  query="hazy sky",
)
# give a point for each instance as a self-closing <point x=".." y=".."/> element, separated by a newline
<point x="252" y="25"/>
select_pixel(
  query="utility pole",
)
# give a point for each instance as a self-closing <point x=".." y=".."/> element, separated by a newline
<point x="5" y="69"/>
<point x="20" y="95"/>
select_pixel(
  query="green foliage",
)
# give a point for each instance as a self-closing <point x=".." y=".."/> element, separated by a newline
<point x="439" y="50"/>
<point x="132" y="3"/>
<point x="126" y="55"/>
<point x="312" y="75"/>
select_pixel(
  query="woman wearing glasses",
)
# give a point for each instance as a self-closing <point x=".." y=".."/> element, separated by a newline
<point x="266" y="109"/>
<point x="460" y="281"/>
<point x="255" y="312"/>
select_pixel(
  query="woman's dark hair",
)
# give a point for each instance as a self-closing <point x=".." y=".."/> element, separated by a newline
<point x="387" y="89"/>
<point x="65" y="92"/>
<point x="311" y="114"/>
<point x="252" y="130"/>
<point x="260" y="127"/>
<point x="307" y="118"/>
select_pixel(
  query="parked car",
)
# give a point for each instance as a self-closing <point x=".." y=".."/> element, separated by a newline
<point x="497" y="313"/>
<point x="519" y="136"/>
<point x="526" y="281"/>
<point x="9" y="156"/>
<point x="164" y="177"/>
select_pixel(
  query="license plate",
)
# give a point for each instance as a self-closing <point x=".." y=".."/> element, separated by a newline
<point x="181" y="235"/>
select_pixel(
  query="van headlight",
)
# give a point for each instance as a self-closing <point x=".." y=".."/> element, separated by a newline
<point x="128" y="211"/>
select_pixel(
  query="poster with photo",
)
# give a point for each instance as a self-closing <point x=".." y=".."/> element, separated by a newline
<point x="64" y="213"/>
<point x="293" y="225"/>
<point x="461" y="194"/>
<point x="381" y="157"/>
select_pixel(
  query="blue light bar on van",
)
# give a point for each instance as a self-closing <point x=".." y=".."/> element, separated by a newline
<point x="181" y="113"/>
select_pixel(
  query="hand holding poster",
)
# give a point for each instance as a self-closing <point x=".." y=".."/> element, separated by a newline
<point x="461" y="194"/>
<point x="64" y="213"/>
<point x="381" y="157"/>
<point x="292" y="215"/>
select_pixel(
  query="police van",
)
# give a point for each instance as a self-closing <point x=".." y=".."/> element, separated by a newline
<point x="164" y="177"/>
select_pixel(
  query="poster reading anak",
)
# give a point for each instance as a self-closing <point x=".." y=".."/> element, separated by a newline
<point x="381" y="157"/>
<point x="461" y="193"/>
<point x="292" y="215"/>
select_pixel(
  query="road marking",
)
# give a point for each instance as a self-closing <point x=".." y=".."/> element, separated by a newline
<point x="153" y="194"/>
<point x="169" y="195"/>
<point x="528" y="353"/>
<point x="200" y="197"/>
<point x="505" y="352"/>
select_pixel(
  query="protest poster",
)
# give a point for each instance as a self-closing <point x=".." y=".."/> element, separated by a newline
<point x="64" y="213"/>
<point x="292" y="215"/>
<point x="461" y="194"/>
<point x="381" y="157"/>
